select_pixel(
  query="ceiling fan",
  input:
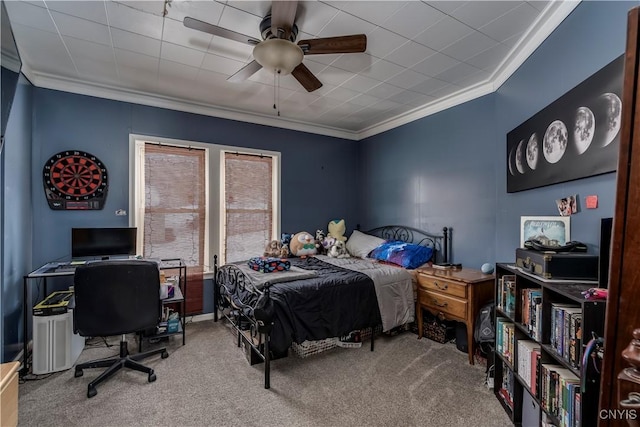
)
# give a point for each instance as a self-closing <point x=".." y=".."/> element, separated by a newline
<point x="278" y="51"/>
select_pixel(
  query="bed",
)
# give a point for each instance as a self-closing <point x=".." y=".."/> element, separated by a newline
<point x="322" y="297"/>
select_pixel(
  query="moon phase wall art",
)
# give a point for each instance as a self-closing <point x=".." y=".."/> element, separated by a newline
<point x="576" y="136"/>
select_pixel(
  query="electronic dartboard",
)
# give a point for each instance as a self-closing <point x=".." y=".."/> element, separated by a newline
<point x="75" y="180"/>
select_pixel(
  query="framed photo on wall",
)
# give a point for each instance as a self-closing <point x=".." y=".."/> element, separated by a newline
<point x="549" y="230"/>
<point x="576" y="136"/>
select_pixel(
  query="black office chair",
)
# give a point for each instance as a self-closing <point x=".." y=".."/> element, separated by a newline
<point x="117" y="298"/>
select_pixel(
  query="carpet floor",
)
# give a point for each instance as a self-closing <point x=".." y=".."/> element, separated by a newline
<point x="208" y="382"/>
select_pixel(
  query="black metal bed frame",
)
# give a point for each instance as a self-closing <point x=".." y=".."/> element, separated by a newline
<point x="228" y="278"/>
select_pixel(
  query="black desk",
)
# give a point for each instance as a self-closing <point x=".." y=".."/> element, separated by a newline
<point x="52" y="269"/>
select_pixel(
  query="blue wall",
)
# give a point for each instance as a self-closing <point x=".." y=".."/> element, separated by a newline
<point x="449" y="169"/>
<point x="315" y="169"/>
<point x="16" y="219"/>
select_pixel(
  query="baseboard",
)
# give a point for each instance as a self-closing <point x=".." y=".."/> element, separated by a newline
<point x="200" y="317"/>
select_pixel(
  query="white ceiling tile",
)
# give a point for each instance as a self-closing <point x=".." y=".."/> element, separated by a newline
<point x="480" y="76"/>
<point x="132" y="78"/>
<point x="312" y="16"/>
<point x="81" y="28"/>
<point x="516" y="21"/>
<point x="429" y="86"/>
<point x="88" y="50"/>
<point x="354" y="62"/>
<point x="381" y="42"/>
<point x="360" y="83"/>
<point x="376" y="14"/>
<point x="384" y="90"/>
<point x="334" y="76"/>
<point x="469" y="46"/>
<point x="315" y="67"/>
<point x="323" y="104"/>
<point x="479" y="13"/>
<point x="301" y="99"/>
<point x="135" y="42"/>
<point x="176" y="72"/>
<point x="446" y="91"/>
<point x="435" y="64"/>
<point x="490" y="58"/>
<point x="381" y="70"/>
<point x="30" y="16"/>
<point x="135" y="20"/>
<point x="407" y="79"/>
<point x="363" y="100"/>
<point x="405" y="97"/>
<point x="176" y="32"/>
<point x="409" y="54"/>
<point x="43" y="51"/>
<point x="241" y="22"/>
<point x="323" y="59"/>
<point x="447" y="6"/>
<point x="181" y="54"/>
<point x="421" y="100"/>
<point x="257" y="8"/>
<point x="457" y="72"/>
<point x="207" y="11"/>
<point x="344" y="24"/>
<point x="91" y="10"/>
<point x="211" y="79"/>
<point x="443" y="33"/>
<point x="155" y="7"/>
<point x="342" y="94"/>
<point x="142" y="63"/>
<point x="220" y="64"/>
<point x="230" y="49"/>
<point x="97" y="71"/>
<point x="412" y="19"/>
<point x="539" y="4"/>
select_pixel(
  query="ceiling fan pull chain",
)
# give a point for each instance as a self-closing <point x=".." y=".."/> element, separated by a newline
<point x="278" y="89"/>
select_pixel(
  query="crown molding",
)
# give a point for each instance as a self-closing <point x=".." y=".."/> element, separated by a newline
<point x="550" y="18"/>
<point x="49" y="81"/>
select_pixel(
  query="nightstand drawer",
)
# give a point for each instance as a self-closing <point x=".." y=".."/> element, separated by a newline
<point x="440" y="302"/>
<point x="444" y="286"/>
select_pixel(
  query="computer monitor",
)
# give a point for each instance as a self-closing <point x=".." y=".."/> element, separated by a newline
<point x="606" y="225"/>
<point x="102" y="242"/>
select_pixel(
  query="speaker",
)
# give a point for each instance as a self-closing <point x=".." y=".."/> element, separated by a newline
<point x="55" y="346"/>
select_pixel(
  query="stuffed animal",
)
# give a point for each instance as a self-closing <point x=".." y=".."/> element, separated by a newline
<point x="337" y="229"/>
<point x="273" y="249"/>
<point x="320" y="236"/>
<point x="302" y="244"/>
<point x="339" y="250"/>
<point x="327" y="242"/>
<point x="286" y="239"/>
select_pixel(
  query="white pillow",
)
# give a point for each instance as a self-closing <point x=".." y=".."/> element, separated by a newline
<point x="360" y="244"/>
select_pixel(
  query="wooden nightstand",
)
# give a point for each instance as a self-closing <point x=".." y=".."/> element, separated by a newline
<point x="454" y="295"/>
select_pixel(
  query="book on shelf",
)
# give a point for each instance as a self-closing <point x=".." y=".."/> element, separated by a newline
<point x="526" y="354"/>
<point x="575" y="341"/>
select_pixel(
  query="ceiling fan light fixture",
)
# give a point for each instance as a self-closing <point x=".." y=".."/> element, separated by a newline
<point x="278" y="55"/>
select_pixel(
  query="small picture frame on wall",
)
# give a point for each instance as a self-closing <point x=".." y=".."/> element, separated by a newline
<point x="548" y="230"/>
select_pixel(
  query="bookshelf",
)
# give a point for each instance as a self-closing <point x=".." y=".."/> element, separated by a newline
<point x="542" y="331"/>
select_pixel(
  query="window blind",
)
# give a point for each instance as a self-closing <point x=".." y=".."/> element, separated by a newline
<point x="248" y="195"/>
<point x="175" y="211"/>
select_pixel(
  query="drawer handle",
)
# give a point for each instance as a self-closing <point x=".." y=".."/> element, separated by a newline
<point x="439" y="304"/>
<point x="441" y="287"/>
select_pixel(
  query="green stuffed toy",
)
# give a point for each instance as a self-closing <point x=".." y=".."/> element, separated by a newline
<point x="337" y="229"/>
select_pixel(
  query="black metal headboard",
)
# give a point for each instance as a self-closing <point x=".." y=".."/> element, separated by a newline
<point x="439" y="242"/>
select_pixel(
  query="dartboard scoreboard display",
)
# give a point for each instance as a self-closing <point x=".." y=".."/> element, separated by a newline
<point x="75" y="180"/>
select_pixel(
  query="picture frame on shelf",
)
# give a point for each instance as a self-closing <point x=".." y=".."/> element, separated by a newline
<point x="549" y="230"/>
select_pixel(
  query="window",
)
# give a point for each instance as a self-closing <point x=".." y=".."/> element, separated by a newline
<point x="193" y="200"/>
<point x="248" y="202"/>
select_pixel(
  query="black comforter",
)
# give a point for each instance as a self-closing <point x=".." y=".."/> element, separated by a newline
<point x="333" y="303"/>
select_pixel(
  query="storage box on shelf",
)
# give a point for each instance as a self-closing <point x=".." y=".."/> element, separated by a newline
<point x="542" y="331"/>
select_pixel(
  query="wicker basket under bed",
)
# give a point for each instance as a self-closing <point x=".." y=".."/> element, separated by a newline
<point x="309" y="348"/>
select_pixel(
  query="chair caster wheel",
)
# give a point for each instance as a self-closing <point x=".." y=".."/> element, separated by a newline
<point x="91" y="392"/>
<point x="152" y="377"/>
<point x="165" y="354"/>
<point x="78" y="373"/>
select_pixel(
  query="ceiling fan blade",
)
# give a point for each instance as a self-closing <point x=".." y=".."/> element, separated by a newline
<point x="306" y="78"/>
<point x="283" y="14"/>
<point x="218" y="31"/>
<point x="341" y="44"/>
<point x="245" y="72"/>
